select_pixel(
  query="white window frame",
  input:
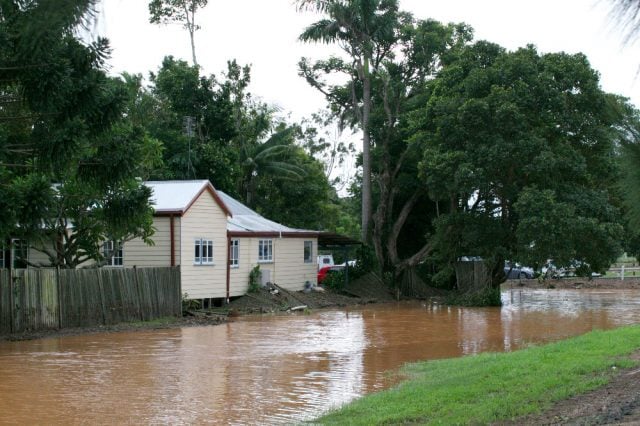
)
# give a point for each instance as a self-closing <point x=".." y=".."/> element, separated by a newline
<point x="304" y="251"/>
<point x="234" y="253"/>
<point x="265" y="251"/>
<point x="117" y="259"/>
<point x="203" y="251"/>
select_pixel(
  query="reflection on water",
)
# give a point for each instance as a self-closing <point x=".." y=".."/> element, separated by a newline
<point x="266" y="370"/>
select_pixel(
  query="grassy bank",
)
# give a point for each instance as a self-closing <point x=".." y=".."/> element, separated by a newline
<point x="490" y="387"/>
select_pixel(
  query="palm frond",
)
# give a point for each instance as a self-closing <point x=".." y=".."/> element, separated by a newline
<point x="267" y="153"/>
<point x="627" y="13"/>
<point x="320" y="6"/>
<point x="286" y="171"/>
<point x="281" y="137"/>
<point x="324" y="31"/>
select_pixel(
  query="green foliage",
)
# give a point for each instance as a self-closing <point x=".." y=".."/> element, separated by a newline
<point x="398" y="88"/>
<point x="168" y="11"/>
<point x="335" y="279"/>
<point x="488" y="297"/>
<point x="365" y="262"/>
<point x="491" y="388"/>
<point x="182" y="11"/>
<point x="521" y="148"/>
<point x="68" y="157"/>
<point x="237" y="143"/>
<point x="255" y="277"/>
<point x="190" y="304"/>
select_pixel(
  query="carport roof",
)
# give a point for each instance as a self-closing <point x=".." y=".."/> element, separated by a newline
<point x="330" y="239"/>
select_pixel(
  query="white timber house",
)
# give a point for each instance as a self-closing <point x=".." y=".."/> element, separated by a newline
<point x="214" y="239"/>
<point x="217" y="241"/>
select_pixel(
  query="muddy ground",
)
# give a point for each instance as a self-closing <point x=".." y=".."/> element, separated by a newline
<point x="617" y="403"/>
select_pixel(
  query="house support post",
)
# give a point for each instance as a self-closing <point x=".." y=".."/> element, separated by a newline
<point x="228" y="267"/>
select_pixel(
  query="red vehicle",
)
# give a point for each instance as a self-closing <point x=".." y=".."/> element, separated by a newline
<point x="326" y="270"/>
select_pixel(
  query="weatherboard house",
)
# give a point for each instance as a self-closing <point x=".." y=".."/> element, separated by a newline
<point x="217" y="241"/>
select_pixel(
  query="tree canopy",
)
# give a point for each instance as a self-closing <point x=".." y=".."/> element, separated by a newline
<point x="521" y="148"/>
<point x="68" y="159"/>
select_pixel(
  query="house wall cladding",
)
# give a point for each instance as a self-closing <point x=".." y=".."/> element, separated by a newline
<point x="137" y="253"/>
<point x="41" y="299"/>
<point x="205" y="220"/>
<point x="288" y="268"/>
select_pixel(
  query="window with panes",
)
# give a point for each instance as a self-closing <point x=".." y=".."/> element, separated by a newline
<point x="265" y="251"/>
<point x="112" y="252"/>
<point x="308" y="251"/>
<point x="234" y="253"/>
<point x="203" y="252"/>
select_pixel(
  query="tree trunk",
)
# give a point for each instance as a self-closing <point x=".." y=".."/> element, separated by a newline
<point x="191" y="27"/>
<point x="366" y="154"/>
<point x="193" y="47"/>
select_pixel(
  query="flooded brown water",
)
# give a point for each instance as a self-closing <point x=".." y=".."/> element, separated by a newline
<point x="276" y="369"/>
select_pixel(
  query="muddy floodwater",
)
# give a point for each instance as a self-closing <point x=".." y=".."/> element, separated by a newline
<point x="276" y="369"/>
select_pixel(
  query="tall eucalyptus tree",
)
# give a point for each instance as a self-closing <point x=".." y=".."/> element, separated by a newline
<point x="366" y="31"/>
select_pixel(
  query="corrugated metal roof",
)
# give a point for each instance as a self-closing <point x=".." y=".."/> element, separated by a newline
<point x="174" y="195"/>
<point x="246" y="220"/>
<point x="177" y="196"/>
<point x="236" y="207"/>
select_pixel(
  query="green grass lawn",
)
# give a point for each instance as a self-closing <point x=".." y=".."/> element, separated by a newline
<point x="495" y="386"/>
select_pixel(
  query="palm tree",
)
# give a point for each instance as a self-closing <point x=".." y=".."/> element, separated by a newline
<point x="627" y="13"/>
<point x="365" y="30"/>
<point x="269" y="157"/>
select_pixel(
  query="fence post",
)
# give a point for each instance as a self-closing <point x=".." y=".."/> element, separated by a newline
<point x="12" y="300"/>
<point x="139" y="295"/>
<point x="622" y="273"/>
<point x="178" y="272"/>
<point x="101" y="295"/>
<point x="59" y="293"/>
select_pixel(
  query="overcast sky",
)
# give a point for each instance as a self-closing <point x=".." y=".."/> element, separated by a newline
<point x="264" y="33"/>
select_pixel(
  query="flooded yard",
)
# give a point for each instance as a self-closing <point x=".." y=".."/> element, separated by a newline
<point x="276" y="369"/>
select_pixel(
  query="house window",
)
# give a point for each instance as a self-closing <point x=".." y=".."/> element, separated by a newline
<point x="19" y="254"/>
<point x="265" y="251"/>
<point x="308" y="251"/>
<point x="203" y="252"/>
<point x="112" y="252"/>
<point x="234" y="255"/>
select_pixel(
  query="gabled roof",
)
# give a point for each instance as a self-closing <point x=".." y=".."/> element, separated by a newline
<point x="176" y="196"/>
<point x="246" y="221"/>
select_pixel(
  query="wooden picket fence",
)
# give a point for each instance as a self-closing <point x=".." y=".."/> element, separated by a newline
<point x="41" y="299"/>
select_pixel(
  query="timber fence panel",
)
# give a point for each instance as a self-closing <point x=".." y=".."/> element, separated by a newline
<point x="50" y="298"/>
<point x="38" y="304"/>
<point x="19" y="299"/>
<point x="111" y="297"/>
<point x="82" y="306"/>
<point x="5" y="302"/>
<point x="130" y="300"/>
<point x="144" y="294"/>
